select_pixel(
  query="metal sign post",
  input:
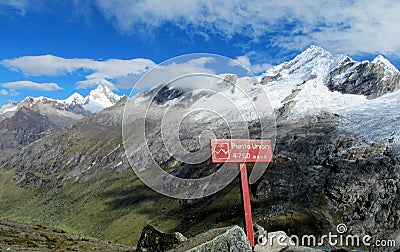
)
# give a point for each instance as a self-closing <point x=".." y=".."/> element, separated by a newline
<point x="246" y="203"/>
<point x="242" y="151"/>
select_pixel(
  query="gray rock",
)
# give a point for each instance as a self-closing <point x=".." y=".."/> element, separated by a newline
<point x="275" y="242"/>
<point x="232" y="239"/>
<point x="155" y="240"/>
<point x="260" y="234"/>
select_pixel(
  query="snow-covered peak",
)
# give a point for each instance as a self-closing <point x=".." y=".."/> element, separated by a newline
<point x="315" y="60"/>
<point x="100" y="98"/>
<point x="74" y="99"/>
<point x="314" y="63"/>
<point x="9" y="106"/>
<point x="311" y="53"/>
<point x="8" y="109"/>
<point x="102" y="92"/>
<point x="382" y="61"/>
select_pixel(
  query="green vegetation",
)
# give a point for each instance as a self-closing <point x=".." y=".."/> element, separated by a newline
<point x="115" y="207"/>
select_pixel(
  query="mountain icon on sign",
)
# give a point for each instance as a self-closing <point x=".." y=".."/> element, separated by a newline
<point x="221" y="151"/>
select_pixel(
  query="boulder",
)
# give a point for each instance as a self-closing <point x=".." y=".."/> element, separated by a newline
<point x="275" y="242"/>
<point x="222" y="239"/>
<point x="154" y="240"/>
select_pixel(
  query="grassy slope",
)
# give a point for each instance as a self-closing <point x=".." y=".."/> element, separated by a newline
<point x="115" y="207"/>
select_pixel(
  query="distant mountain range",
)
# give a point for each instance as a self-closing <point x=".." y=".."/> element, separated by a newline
<point x="32" y="118"/>
<point x="97" y="99"/>
<point x="336" y="158"/>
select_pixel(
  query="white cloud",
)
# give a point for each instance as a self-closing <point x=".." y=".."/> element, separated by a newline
<point x="48" y="65"/>
<point x="352" y="27"/>
<point x="10" y="92"/>
<point x="51" y="65"/>
<point x="31" y="85"/>
<point x="97" y="71"/>
<point x="169" y="71"/>
<point x="4" y="92"/>
<point x="114" y="73"/>
<point x="254" y="68"/>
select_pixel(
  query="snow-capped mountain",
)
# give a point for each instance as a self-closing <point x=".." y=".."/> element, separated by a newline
<point x="99" y="98"/>
<point x="35" y="117"/>
<point x="364" y="93"/>
<point x="8" y="109"/>
<point x="386" y="64"/>
<point x="74" y="99"/>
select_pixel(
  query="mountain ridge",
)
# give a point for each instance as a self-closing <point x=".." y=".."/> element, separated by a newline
<point x="99" y="98"/>
<point x="20" y="125"/>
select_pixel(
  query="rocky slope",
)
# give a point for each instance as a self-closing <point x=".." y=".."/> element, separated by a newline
<point x="17" y="236"/>
<point x="34" y="118"/>
<point x="30" y="123"/>
<point x="335" y="153"/>
<point x="73" y="151"/>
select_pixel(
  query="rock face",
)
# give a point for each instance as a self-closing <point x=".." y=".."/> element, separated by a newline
<point x="339" y="172"/>
<point x="223" y="239"/>
<point x="24" y="127"/>
<point x="372" y="79"/>
<point x="30" y="123"/>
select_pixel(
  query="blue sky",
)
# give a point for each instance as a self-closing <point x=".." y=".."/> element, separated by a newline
<point x="54" y="48"/>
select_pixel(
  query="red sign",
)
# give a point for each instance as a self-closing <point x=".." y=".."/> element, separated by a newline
<point x="240" y="151"/>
